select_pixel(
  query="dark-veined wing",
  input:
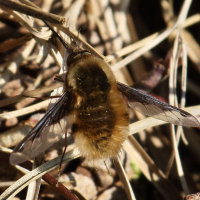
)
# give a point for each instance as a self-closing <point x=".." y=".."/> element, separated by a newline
<point x="151" y="106"/>
<point x="49" y="129"/>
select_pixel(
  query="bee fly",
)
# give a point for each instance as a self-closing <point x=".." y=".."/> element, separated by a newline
<point x="93" y="108"/>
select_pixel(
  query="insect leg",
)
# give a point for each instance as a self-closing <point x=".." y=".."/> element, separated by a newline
<point x="107" y="168"/>
<point x="43" y="98"/>
<point x="62" y="158"/>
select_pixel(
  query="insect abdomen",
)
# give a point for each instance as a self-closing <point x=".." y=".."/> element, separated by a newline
<point x="100" y="131"/>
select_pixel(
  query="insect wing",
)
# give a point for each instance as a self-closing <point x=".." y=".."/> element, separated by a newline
<point x="49" y="129"/>
<point x="153" y="107"/>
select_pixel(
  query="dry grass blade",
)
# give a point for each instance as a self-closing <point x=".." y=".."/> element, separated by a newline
<point x="37" y="13"/>
<point x="126" y="50"/>
<point x="43" y="53"/>
<point x="28" y="24"/>
<point x="173" y="101"/>
<point x="172" y="85"/>
<point x="150" y="170"/>
<point x="6" y="150"/>
<point x="34" y="186"/>
<point x="36" y="173"/>
<point x="183" y="88"/>
<point x="32" y="93"/>
<point x="154" y="42"/>
<point x="192" y="20"/>
<point x="71" y="34"/>
<point x="12" y="68"/>
<point x="12" y="43"/>
<point x="73" y="12"/>
<point x="6" y="184"/>
<point x="144" y="49"/>
<point x="33" y="190"/>
<point x="24" y="111"/>
<point x="122" y="174"/>
<point x="193" y="47"/>
<point x="13" y="136"/>
<point x="131" y="48"/>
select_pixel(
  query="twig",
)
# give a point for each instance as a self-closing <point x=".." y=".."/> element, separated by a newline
<point x="61" y="189"/>
<point x="28" y="10"/>
<point x="36" y="173"/>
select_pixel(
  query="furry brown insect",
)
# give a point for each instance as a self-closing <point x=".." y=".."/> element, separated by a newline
<point x="93" y="108"/>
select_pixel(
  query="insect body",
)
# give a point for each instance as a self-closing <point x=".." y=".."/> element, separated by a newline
<point x="101" y="124"/>
<point x="93" y="108"/>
